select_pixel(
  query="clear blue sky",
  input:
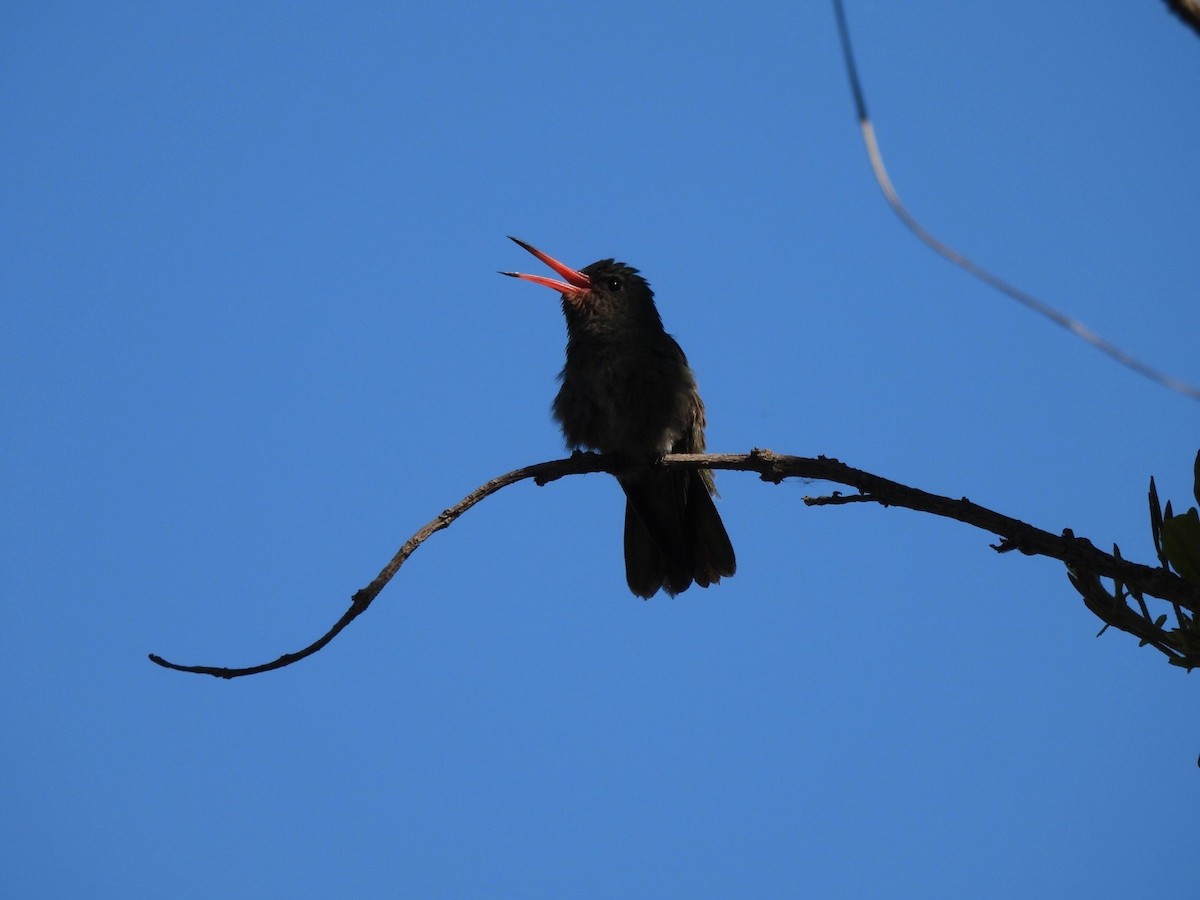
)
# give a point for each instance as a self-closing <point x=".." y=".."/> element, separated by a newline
<point x="253" y="338"/>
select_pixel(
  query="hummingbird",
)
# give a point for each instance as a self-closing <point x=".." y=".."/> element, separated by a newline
<point x="627" y="390"/>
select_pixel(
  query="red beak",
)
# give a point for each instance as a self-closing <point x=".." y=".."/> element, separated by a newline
<point x="576" y="282"/>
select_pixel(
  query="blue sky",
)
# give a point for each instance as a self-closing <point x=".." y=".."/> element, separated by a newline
<point x="253" y="338"/>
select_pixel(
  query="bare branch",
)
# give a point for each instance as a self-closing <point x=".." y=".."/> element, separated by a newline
<point x="1085" y="562"/>
<point x="542" y="473"/>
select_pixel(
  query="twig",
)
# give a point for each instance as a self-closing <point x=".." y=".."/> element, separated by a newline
<point x="542" y="473"/>
<point x="1080" y="555"/>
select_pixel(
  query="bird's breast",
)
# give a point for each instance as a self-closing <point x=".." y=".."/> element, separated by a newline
<point x="618" y="401"/>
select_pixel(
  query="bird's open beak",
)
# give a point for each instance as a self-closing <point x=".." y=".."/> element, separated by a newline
<point x="576" y="282"/>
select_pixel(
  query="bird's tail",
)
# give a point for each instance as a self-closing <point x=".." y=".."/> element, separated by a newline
<point x="673" y="533"/>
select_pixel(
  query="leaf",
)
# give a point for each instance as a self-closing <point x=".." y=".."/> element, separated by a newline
<point x="1181" y="544"/>
<point x="1156" y="521"/>
<point x="1196" y="476"/>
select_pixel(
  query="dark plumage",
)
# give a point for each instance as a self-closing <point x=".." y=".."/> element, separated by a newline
<point x="627" y="390"/>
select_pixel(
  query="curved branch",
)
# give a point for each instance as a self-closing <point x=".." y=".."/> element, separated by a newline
<point x="1079" y="554"/>
<point x="542" y="473"/>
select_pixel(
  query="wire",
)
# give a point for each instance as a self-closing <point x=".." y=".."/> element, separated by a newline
<point x="1028" y="300"/>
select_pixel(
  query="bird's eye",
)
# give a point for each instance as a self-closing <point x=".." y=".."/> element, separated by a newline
<point x="613" y="284"/>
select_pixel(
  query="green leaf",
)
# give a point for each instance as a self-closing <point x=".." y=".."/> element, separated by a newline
<point x="1181" y="544"/>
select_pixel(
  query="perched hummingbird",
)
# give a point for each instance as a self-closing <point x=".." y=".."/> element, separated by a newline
<point x="627" y="390"/>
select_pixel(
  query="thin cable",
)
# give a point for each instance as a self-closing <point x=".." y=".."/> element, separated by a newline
<point x="1028" y="300"/>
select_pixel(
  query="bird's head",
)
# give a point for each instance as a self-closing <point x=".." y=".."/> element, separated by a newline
<point x="605" y="289"/>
